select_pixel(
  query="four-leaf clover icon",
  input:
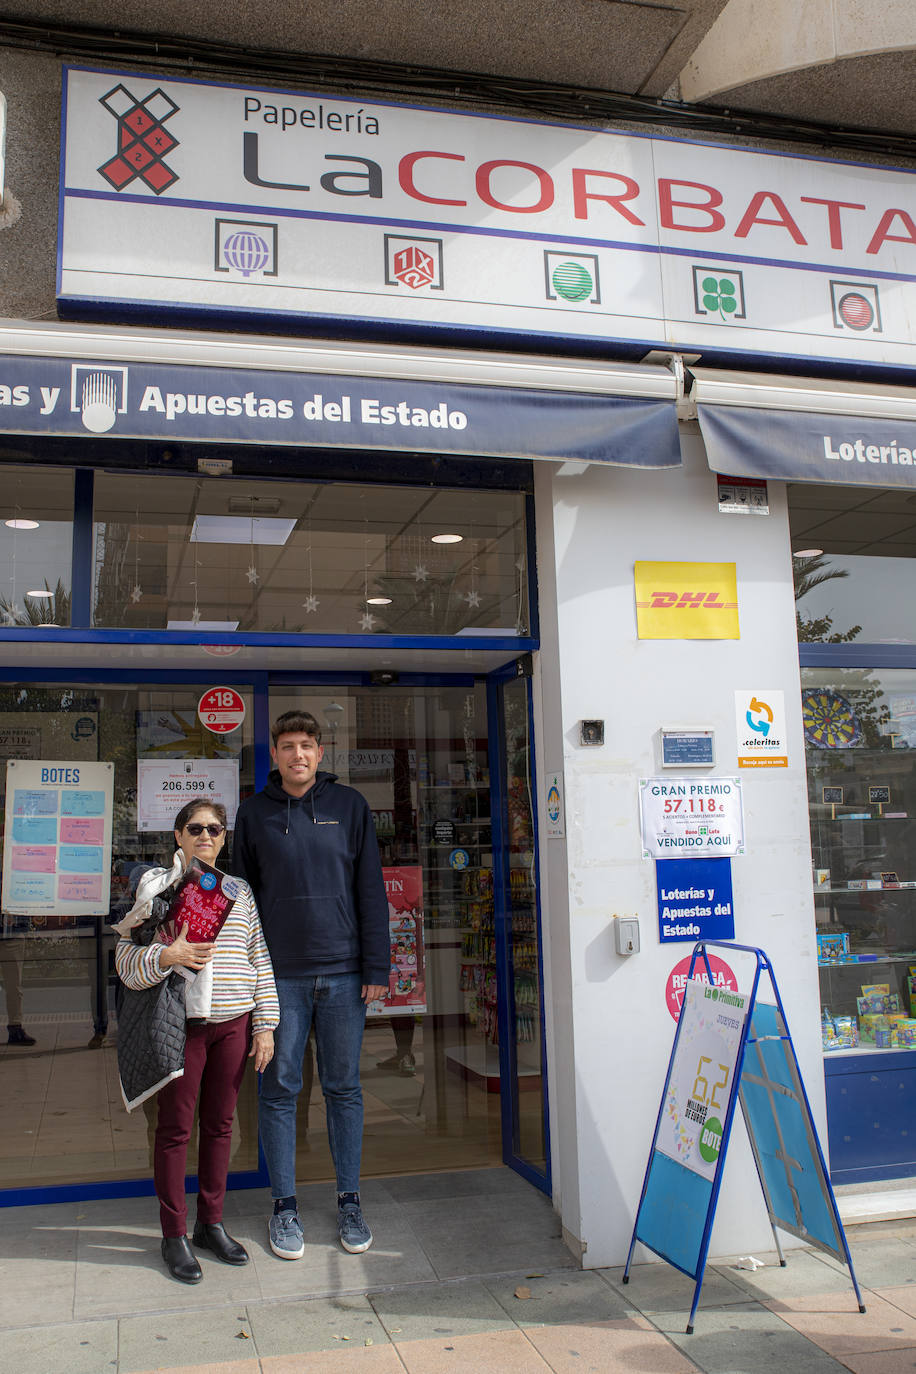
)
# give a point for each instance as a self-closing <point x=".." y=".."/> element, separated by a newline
<point x="719" y="293"/>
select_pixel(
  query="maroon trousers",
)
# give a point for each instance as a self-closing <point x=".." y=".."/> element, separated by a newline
<point x="214" y="1065"/>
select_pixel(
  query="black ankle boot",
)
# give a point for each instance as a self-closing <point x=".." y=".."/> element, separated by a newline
<point x="180" y="1259"/>
<point x="212" y="1235"/>
<point x="17" y="1035"/>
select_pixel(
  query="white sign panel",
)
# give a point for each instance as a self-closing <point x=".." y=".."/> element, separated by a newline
<point x="181" y="194"/>
<point x="555" y="806"/>
<point x="57" y="840"/>
<point x="686" y="818"/>
<point x="165" y="785"/>
<point x="702" y="1078"/>
<point x="760" y="724"/>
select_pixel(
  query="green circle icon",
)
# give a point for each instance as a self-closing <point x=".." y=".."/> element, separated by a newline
<point x="711" y="1140"/>
<point x="571" y="281"/>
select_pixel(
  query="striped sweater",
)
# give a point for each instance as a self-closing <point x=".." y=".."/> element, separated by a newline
<point x="243" y="978"/>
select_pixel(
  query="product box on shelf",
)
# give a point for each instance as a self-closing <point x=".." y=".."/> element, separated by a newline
<point x="832" y="948"/>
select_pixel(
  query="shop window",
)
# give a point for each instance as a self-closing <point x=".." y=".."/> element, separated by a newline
<point x="307" y="558"/>
<point x="860" y="738"/>
<point x="36" y="536"/>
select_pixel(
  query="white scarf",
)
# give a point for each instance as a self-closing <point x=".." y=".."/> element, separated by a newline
<point x="199" y="993"/>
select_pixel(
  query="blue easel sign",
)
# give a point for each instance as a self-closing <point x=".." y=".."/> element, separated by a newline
<point x="695" y="900"/>
<point x="729" y="1047"/>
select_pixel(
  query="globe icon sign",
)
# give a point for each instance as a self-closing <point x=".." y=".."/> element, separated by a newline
<point x="571" y="281"/>
<point x="856" y="311"/>
<point x="246" y="251"/>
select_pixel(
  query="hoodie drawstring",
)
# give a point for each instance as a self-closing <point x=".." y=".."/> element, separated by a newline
<point x="311" y="804"/>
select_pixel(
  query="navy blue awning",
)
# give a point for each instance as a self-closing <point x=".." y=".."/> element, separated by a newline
<point x="125" y="391"/>
<point x="809" y="431"/>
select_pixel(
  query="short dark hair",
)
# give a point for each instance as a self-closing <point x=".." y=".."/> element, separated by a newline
<point x="295" y="723"/>
<point x="191" y="808"/>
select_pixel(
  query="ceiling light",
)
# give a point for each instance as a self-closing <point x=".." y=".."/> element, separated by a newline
<point x="378" y="600"/>
<point x="447" y="538"/>
<point x="240" y="529"/>
<point x="202" y="625"/>
<point x="807" y="553"/>
<point x="43" y="593"/>
<point x="21" y="524"/>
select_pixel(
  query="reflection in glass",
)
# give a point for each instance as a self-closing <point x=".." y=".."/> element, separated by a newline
<point x="306" y="557"/>
<point x="36" y="531"/>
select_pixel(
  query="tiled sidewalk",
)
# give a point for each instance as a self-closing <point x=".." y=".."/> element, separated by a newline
<point x="468" y="1274"/>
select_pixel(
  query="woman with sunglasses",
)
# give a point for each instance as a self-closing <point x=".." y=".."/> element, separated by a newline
<point x="243" y="1013"/>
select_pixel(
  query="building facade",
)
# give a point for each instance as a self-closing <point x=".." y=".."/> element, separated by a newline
<point x="521" y="451"/>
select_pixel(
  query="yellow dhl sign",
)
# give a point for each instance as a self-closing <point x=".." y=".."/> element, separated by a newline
<point x="686" y="601"/>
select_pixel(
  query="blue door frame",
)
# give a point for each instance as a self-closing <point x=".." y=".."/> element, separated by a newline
<point x="259" y="684"/>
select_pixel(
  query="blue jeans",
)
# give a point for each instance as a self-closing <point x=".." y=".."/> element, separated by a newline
<point x="333" y="1004"/>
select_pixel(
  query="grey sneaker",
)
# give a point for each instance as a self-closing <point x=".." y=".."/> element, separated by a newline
<point x="286" y="1235"/>
<point x="355" y="1235"/>
<point x="407" y="1066"/>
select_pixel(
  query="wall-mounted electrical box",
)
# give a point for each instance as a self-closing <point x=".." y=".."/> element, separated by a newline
<point x="626" y="934"/>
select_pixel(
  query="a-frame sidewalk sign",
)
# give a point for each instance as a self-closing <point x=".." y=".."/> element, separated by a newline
<point x="728" y="1046"/>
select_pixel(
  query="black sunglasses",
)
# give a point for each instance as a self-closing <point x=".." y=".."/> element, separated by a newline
<point x="213" y="830"/>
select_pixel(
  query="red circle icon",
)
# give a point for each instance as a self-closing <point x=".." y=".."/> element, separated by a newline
<point x="677" y="980"/>
<point x="221" y="710"/>
<point x="856" y="310"/>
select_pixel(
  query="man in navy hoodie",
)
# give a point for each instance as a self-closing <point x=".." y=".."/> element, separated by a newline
<point x="307" y="847"/>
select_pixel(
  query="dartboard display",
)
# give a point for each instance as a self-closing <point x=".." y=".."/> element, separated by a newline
<point x="829" y="720"/>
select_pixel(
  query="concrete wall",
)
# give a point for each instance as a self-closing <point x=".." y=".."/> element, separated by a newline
<point x="610" y="1032"/>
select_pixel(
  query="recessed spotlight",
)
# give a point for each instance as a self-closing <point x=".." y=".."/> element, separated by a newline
<point x="807" y="553"/>
<point x="21" y="524"/>
<point x="43" y="593"/>
<point x="447" y="538"/>
<point x="378" y="600"/>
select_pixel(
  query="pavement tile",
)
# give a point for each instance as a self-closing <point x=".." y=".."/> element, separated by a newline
<point x="606" y="1348"/>
<point x="445" y="1310"/>
<point x="883" y="1362"/>
<point x="904" y="1298"/>
<point x="38" y="1274"/>
<point x="376" y="1359"/>
<point x="122" y="1271"/>
<point x="509" y="1352"/>
<point x="833" y="1322"/>
<point x="575" y="1296"/>
<point x="744" y="1340"/>
<point x="185" y="1339"/>
<point x="805" y="1272"/>
<point x="77" y="1347"/>
<point x="880" y="1262"/>
<point x="453" y="1184"/>
<point x="396" y="1257"/>
<point x="289" y="1328"/>
<point x="660" y="1288"/>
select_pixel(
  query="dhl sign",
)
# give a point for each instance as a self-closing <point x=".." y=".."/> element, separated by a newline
<point x="686" y="601"/>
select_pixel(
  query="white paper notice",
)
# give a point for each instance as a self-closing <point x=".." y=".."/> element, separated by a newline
<point x="165" y="785"/>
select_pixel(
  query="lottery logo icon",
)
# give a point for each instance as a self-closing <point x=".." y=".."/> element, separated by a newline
<point x="245" y="247"/>
<point x="572" y="278"/>
<point x="856" y="306"/>
<point x="142" y="140"/>
<point x="98" y="394"/>
<point x="413" y="262"/>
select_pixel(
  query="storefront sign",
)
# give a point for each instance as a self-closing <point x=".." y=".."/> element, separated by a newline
<point x="165" y="785"/>
<point x="221" y="709"/>
<point x="760" y="723"/>
<point x="686" y="601"/>
<point x="555" y="806"/>
<point x="802" y="446"/>
<point x="695" y="900"/>
<point x="701" y="1079"/>
<point x="243" y="201"/>
<point x="691" y="817"/>
<point x="47" y="395"/>
<point x="407" y="981"/>
<point x="722" y="975"/>
<point x="57" y="840"/>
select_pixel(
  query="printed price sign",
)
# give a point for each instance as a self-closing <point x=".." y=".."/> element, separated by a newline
<point x="702" y="1077"/>
<point x="221" y="710"/>
<point x="691" y="817"/>
<point x="164" y="785"/>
